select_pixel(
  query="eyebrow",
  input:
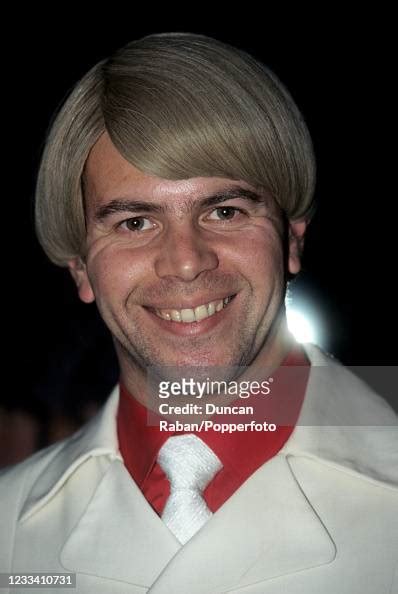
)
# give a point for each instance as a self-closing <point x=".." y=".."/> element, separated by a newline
<point x="139" y="206"/>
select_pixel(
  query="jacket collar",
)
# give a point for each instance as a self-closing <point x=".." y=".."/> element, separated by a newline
<point x="97" y="438"/>
<point x="342" y="423"/>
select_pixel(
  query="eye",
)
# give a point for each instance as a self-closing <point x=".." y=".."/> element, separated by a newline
<point x="224" y="213"/>
<point x="137" y="224"/>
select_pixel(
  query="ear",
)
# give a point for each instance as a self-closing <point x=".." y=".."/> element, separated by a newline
<point x="78" y="270"/>
<point x="296" y="243"/>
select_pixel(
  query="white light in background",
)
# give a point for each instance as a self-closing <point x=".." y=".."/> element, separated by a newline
<point x="299" y="324"/>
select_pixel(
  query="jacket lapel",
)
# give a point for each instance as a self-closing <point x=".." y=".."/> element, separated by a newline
<point x="268" y="528"/>
<point x="119" y="536"/>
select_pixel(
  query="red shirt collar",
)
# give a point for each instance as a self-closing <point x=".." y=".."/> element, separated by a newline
<point x="241" y="453"/>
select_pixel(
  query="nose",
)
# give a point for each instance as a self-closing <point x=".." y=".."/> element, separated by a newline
<point x="185" y="254"/>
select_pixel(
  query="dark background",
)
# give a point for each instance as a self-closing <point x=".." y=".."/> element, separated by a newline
<point x="58" y="357"/>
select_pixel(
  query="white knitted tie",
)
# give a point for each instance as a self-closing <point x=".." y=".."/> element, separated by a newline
<point x="190" y="465"/>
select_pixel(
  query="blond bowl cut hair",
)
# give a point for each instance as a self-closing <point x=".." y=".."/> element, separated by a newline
<point x="176" y="106"/>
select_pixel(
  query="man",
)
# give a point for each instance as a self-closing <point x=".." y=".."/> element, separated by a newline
<point x="176" y="184"/>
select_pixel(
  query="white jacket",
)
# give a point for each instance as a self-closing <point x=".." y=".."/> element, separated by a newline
<point x="320" y="517"/>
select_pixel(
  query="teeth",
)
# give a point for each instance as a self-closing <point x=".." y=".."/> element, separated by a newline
<point x="219" y="305"/>
<point x="188" y="316"/>
<point x="201" y="313"/>
<point x="175" y="315"/>
<point x="211" y="308"/>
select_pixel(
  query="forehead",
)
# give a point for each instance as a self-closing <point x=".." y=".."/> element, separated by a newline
<point x="108" y="175"/>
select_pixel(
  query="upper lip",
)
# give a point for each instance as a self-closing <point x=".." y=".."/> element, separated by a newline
<point x="191" y="304"/>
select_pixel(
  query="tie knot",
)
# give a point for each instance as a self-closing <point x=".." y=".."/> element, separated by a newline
<point x="188" y="462"/>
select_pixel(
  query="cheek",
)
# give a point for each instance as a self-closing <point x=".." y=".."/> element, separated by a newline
<point x="260" y="258"/>
<point x="113" y="272"/>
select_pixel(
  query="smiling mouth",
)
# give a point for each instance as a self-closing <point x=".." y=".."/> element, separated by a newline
<point x="199" y="313"/>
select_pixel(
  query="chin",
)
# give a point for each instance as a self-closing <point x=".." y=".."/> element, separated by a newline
<point x="199" y="362"/>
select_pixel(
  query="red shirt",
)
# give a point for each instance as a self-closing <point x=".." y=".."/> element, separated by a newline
<point x="241" y="453"/>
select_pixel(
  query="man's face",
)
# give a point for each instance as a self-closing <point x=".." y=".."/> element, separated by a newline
<point x="187" y="272"/>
